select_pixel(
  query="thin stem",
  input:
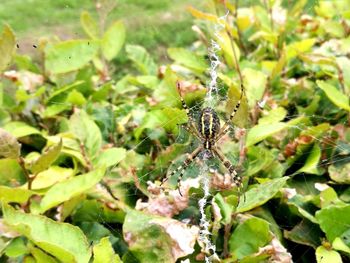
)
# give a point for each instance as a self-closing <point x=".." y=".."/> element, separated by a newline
<point x="29" y="178"/>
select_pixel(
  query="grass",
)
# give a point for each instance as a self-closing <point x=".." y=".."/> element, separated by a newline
<point x="150" y="23"/>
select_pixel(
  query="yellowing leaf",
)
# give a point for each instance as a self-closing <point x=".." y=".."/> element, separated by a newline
<point x="15" y="195"/>
<point x="7" y="47"/>
<point x="324" y="255"/>
<point x="302" y="46"/>
<point x="103" y="252"/>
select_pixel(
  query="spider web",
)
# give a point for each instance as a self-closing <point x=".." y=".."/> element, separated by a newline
<point x="131" y="190"/>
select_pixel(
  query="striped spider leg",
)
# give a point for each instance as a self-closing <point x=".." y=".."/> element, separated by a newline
<point x="191" y="128"/>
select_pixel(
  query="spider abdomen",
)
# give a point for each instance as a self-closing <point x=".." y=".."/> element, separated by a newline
<point x="208" y="126"/>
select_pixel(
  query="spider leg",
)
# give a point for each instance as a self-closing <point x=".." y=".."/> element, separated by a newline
<point x="191" y="127"/>
<point x="224" y="128"/>
<point x="183" y="167"/>
<point x="192" y="131"/>
<point x="237" y="180"/>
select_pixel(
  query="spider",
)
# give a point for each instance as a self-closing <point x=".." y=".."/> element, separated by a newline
<point x="208" y="131"/>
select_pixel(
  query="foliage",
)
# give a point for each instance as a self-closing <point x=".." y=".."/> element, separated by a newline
<point x="84" y="147"/>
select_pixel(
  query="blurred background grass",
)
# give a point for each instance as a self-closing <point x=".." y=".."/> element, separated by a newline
<point x="154" y="24"/>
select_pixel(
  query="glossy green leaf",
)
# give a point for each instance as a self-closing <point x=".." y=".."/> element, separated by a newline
<point x="70" y="188"/>
<point x="7" y="47"/>
<point x="335" y="96"/>
<point x="142" y="60"/>
<point x="11" y="171"/>
<point x="103" y="252"/>
<point x="113" y="40"/>
<point x="260" y="194"/>
<point x="62" y="240"/>
<point x="188" y="59"/>
<point x="89" y="25"/>
<point x="87" y="131"/>
<point x="334" y="220"/>
<point x="46" y="158"/>
<point x="15" y="195"/>
<point x="110" y="157"/>
<point x="249" y="236"/>
<point x="9" y="147"/>
<point x="324" y="255"/>
<point x="69" y="55"/>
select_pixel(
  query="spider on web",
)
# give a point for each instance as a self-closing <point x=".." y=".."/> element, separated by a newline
<point x="208" y="131"/>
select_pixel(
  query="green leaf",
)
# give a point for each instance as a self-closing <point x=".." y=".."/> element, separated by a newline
<point x="295" y="48"/>
<point x="76" y="98"/>
<point x="86" y="131"/>
<point x="62" y="240"/>
<point x="20" y="129"/>
<point x="188" y="59"/>
<point x="70" y="188"/>
<point x="157" y="239"/>
<point x="255" y="84"/>
<point x="46" y="158"/>
<point x="69" y="55"/>
<point x="263" y="130"/>
<point x="143" y="61"/>
<point x="9" y="147"/>
<point x="249" y="236"/>
<point x="334" y="220"/>
<point x="41" y="257"/>
<point x="311" y="163"/>
<point x="324" y="255"/>
<point x="340" y="174"/>
<point x="15" y="195"/>
<point x="113" y="40"/>
<point x="16" y="248"/>
<point x="110" y="157"/>
<point x="225" y="44"/>
<point x="51" y="176"/>
<point x="225" y="209"/>
<point x="338" y="98"/>
<point x="10" y="172"/>
<point x="103" y="252"/>
<point x="7" y="47"/>
<point x="89" y="25"/>
<point x="305" y="233"/>
<point x="260" y="194"/>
